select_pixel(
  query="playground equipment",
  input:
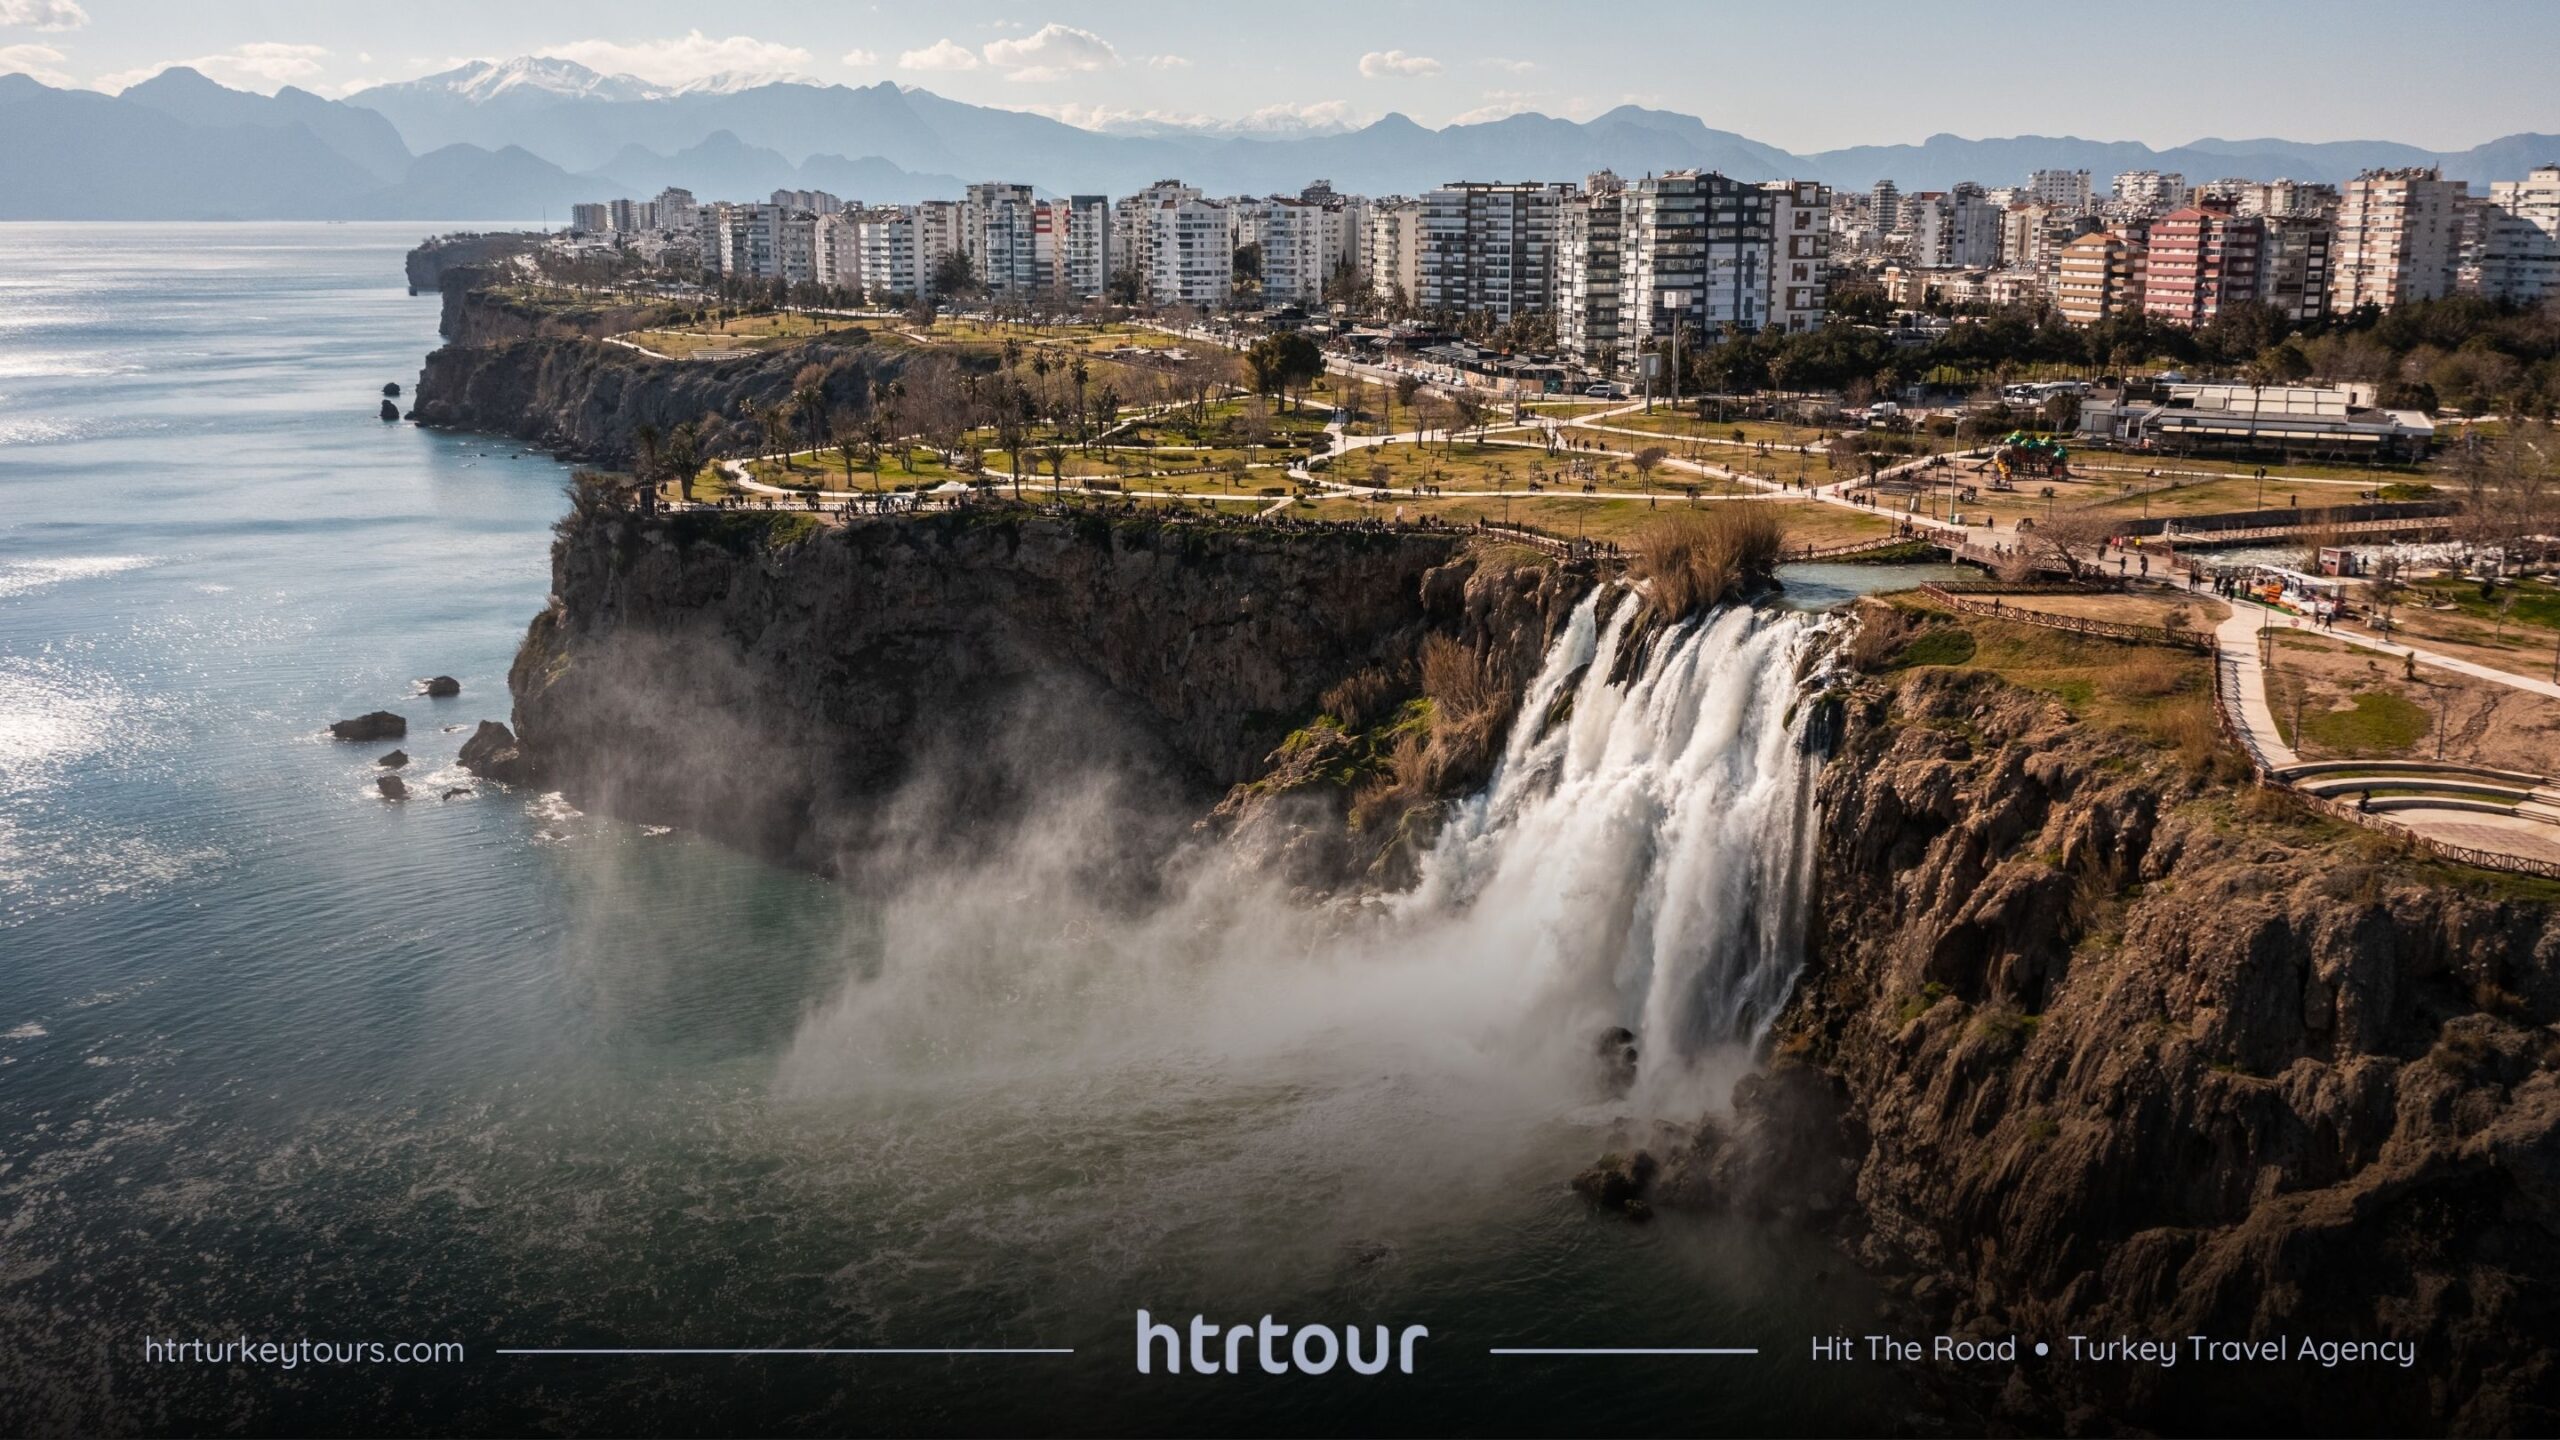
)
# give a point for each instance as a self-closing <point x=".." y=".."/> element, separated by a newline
<point x="2019" y="453"/>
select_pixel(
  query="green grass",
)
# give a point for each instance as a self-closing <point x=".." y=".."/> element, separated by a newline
<point x="1944" y="645"/>
<point x="2536" y="604"/>
<point x="2379" y="723"/>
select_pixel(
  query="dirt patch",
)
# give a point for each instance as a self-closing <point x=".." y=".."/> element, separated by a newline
<point x="2337" y="700"/>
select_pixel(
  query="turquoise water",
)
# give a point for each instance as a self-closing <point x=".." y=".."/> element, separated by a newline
<point x="280" y="1059"/>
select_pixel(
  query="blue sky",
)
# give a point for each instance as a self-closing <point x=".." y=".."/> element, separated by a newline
<point x="1807" y="77"/>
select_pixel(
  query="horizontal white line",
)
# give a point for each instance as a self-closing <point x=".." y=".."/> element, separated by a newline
<point x="1624" y="1350"/>
<point x="955" y="1350"/>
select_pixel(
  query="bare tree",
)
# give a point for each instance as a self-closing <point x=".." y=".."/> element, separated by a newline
<point x="2071" y="539"/>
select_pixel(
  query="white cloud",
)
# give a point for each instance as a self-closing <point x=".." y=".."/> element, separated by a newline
<point x="1497" y="105"/>
<point x="1051" y="52"/>
<point x="1293" y="119"/>
<point x="940" y="55"/>
<point x="38" y="62"/>
<point x="1516" y="67"/>
<point x="261" y="65"/>
<point x="861" y="59"/>
<point x="1167" y="62"/>
<point x="684" y="58"/>
<point x="43" y="14"/>
<point x="1380" y="64"/>
<point x="1314" y="118"/>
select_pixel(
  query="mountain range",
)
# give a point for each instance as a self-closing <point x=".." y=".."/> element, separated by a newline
<point x="526" y="138"/>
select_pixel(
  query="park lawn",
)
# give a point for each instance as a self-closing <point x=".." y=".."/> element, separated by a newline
<point x="826" y="472"/>
<point x="2532" y="603"/>
<point x="1479" y="465"/>
<point x="1748" y="432"/>
<point x="2162" y="694"/>
<point x="743" y="334"/>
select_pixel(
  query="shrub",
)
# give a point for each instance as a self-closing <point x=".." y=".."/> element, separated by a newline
<point x="1691" y="561"/>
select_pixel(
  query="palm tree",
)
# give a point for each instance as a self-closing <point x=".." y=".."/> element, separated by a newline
<point x="1076" y="375"/>
<point x="845" y="451"/>
<point x="645" y="439"/>
<point x="1056" y="455"/>
<point x="684" y="456"/>
<point x="811" y="403"/>
<point x="875" y="437"/>
<point x="895" y="392"/>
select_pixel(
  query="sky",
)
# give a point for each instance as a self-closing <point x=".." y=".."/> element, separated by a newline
<point x="1806" y="77"/>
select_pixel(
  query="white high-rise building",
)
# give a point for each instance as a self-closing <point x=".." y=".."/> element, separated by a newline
<point x="999" y="234"/>
<point x="888" y="246"/>
<point x="2517" y="256"/>
<point x="2398" y="239"/>
<point x="1180" y="245"/>
<point x="1393" y="250"/>
<point x="2151" y="191"/>
<point x="2064" y="190"/>
<point x="676" y="209"/>
<point x="838" y="250"/>
<point x="1590" y="248"/>
<point x="1085" y="261"/>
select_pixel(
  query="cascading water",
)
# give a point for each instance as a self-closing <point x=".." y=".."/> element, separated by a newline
<point x="1648" y="841"/>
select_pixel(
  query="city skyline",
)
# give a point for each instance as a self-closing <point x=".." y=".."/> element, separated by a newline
<point x="1123" y="68"/>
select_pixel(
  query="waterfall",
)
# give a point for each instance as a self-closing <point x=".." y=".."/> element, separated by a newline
<point x="1647" y="842"/>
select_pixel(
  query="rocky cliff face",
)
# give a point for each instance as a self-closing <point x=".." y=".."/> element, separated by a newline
<point x="2093" y="1043"/>
<point x="426" y="265"/>
<point x="544" y="377"/>
<point x="816" y="693"/>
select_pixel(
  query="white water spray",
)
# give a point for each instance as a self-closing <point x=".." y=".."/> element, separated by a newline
<point x="1649" y="845"/>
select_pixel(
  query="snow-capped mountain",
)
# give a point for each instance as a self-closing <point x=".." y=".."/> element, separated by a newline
<point x="483" y="81"/>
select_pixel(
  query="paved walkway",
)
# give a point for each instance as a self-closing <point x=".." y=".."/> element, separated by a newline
<point x="2236" y="640"/>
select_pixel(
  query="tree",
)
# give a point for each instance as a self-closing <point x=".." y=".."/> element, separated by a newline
<point x="953" y="275"/>
<point x="2064" y="536"/>
<point x="645" y="440"/>
<point x="684" y="456"/>
<point x="1056" y="455"/>
<point x="846" y="450"/>
<point x="1647" y="460"/>
<point x="875" y="439"/>
<point x="1284" y="362"/>
<point x="1406" y="387"/>
<point x="1467" y="413"/>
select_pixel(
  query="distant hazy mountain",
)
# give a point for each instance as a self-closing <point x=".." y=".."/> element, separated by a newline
<point x="531" y="136"/>
<point x="179" y="147"/>
<point x="724" y="165"/>
<point x="361" y="135"/>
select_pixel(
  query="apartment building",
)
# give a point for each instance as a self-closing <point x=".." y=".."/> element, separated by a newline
<point x="816" y="202"/>
<point x="2293" y="266"/>
<point x="1695" y="258"/>
<point x="2517" y="254"/>
<point x="593" y="219"/>
<point x="676" y="209"/>
<point x="1590" y="237"/>
<point x="2098" y="277"/>
<point x="1800" y="253"/>
<point x="837" y="250"/>
<point x="2151" y="191"/>
<point x="887" y="242"/>
<point x="1181" y="246"/>
<point x="1957" y="228"/>
<point x="1488" y="248"/>
<point x="2399" y="238"/>
<point x="2064" y="190"/>
<point x="1393" y="249"/>
<point x="2200" y="259"/>
<point x="1884" y="203"/>
<point x="1082" y="226"/>
<point x="999" y="233"/>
